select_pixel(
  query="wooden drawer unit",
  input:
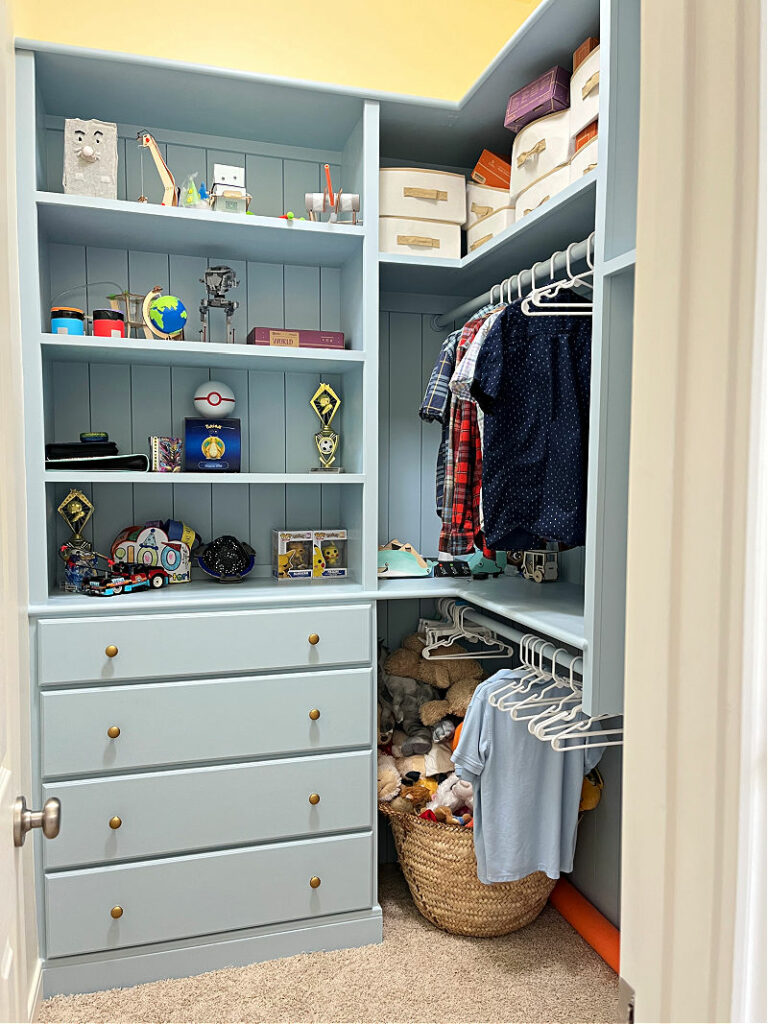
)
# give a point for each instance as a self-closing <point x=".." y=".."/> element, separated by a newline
<point x="114" y="728"/>
<point x="181" y="897"/>
<point x="125" y="647"/>
<point x="157" y="814"/>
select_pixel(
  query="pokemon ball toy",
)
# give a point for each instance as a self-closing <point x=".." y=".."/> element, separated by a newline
<point x="214" y="399"/>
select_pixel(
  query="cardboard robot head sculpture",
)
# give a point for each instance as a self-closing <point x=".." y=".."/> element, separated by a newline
<point x="90" y="158"/>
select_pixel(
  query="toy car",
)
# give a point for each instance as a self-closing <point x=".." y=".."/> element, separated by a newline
<point x="125" y="577"/>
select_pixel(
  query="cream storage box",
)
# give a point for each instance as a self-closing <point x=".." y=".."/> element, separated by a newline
<point x="420" y="237"/>
<point x="488" y="227"/>
<point x="416" y="192"/>
<point x="585" y="160"/>
<point x="539" y="148"/>
<point x="482" y="200"/>
<point x="540" y="191"/>
<point x="585" y="92"/>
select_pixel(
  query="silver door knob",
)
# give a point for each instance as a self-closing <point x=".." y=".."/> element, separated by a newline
<point x="49" y="819"/>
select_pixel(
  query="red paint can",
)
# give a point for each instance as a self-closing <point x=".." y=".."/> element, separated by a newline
<point x="108" y="323"/>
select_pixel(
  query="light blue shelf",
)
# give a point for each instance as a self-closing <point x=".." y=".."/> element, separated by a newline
<point x="115" y="223"/>
<point x="74" y="476"/>
<point x="193" y="353"/>
<point x="555" y="609"/>
<point x="568" y="217"/>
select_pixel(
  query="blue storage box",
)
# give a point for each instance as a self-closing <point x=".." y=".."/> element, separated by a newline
<point x="211" y="446"/>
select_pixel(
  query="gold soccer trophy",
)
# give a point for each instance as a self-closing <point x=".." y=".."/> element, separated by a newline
<point x="75" y="510"/>
<point x="326" y="404"/>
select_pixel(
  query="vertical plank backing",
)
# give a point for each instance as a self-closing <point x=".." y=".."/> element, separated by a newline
<point x="266" y="307"/>
<point x="301" y="422"/>
<point x="302" y="506"/>
<point x="404" y="399"/>
<point x="302" y="298"/>
<point x="105" y="265"/>
<point x="299" y="177"/>
<point x="264" y="180"/>
<point x="267" y="416"/>
<point x="268" y="513"/>
<point x="110" y="404"/>
<point x="67" y="271"/>
<point x="150" y="403"/>
<point x="231" y="511"/>
<point x="384" y="536"/>
<point x="71" y="405"/>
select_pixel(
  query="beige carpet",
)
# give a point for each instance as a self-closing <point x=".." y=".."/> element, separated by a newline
<point x="545" y="972"/>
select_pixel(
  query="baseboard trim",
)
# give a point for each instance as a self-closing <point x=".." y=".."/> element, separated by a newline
<point x="124" y="968"/>
<point x="35" y="992"/>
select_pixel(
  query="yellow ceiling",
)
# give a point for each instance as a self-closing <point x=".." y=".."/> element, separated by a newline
<point x="429" y="48"/>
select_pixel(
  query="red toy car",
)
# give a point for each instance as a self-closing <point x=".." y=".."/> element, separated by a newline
<point x="125" y="577"/>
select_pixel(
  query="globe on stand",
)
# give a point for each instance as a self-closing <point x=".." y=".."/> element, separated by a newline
<point x="164" y="316"/>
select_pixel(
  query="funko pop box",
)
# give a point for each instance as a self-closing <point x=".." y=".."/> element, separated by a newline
<point x="309" y="554"/>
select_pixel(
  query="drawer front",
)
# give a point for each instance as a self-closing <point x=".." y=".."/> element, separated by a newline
<point x="420" y="237"/>
<point x="585" y="92"/>
<point x="419" y="193"/>
<point x="157" y="814"/>
<point x="540" y="147"/>
<point x="209" y="720"/>
<point x="151" y="646"/>
<point x="184" y="897"/>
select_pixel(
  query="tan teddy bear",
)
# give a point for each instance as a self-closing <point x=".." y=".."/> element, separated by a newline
<point x="408" y="661"/>
<point x="456" y="702"/>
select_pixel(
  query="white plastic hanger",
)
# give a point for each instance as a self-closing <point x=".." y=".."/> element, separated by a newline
<point x="552" y="288"/>
<point x="564" y="710"/>
<point x="546" y="697"/>
<point x="511" y="684"/>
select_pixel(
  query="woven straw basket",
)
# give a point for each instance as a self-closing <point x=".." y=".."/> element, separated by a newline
<point x="439" y="864"/>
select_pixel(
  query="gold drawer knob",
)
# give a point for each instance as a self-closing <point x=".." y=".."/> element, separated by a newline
<point x="115" y="822"/>
<point x="116" y="912"/>
<point x="314" y="882"/>
<point x="314" y="714"/>
<point x="113" y="732"/>
<point x="314" y="638"/>
<point x="314" y="798"/>
<point x="111" y="651"/>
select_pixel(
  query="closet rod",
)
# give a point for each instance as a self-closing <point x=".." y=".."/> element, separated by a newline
<point x="512" y="633"/>
<point x="521" y="281"/>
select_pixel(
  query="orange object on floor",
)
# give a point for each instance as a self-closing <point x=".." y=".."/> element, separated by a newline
<point x="595" y="929"/>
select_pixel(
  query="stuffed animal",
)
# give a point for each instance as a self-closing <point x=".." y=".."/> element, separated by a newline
<point x="456" y="702"/>
<point x="437" y="760"/>
<point x="453" y="793"/>
<point x="444" y="729"/>
<point x="387" y="777"/>
<point x="386" y="719"/>
<point x="407" y="696"/>
<point x="408" y="661"/>
<point x="412" y="799"/>
<point x="446" y="815"/>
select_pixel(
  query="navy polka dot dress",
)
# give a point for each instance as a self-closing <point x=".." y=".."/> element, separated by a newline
<point x="532" y="383"/>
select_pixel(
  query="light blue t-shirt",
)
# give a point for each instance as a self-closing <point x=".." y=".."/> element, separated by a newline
<point x="526" y="806"/>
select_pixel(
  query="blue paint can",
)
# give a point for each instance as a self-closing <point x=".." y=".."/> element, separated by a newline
<point x="67" y="320"/>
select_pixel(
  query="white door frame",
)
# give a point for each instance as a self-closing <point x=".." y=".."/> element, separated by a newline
<point x="20" y="965"/>
<point x="689" y="476"/>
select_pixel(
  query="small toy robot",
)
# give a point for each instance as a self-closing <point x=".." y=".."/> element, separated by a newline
<point x="218" y="281"/>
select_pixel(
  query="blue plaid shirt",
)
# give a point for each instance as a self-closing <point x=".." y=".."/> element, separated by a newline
<point x="435" y="403"/>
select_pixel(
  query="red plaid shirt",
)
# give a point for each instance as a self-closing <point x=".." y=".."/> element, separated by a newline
<point x="463" y="471"/>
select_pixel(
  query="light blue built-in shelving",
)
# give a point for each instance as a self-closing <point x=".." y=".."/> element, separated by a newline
<point x="312" y="276"/>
